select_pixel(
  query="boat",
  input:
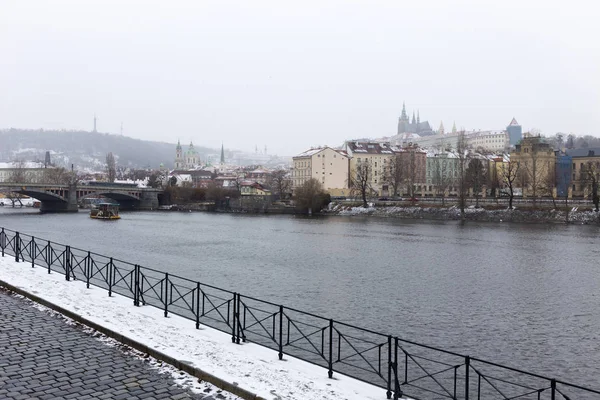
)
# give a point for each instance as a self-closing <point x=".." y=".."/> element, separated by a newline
<point x="105" y="211"/>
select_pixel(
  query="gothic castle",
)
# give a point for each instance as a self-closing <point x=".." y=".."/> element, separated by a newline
<point x="416" y="126"/>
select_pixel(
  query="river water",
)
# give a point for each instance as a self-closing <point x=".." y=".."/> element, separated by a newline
<point x="522" y="295"/>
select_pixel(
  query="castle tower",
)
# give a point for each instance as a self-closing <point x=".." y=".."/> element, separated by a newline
<point x="95" y="123"/>
<point x="454" y="127"/>
<point x="441" y="131"/>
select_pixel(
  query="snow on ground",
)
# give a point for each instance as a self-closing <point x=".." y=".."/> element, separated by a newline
<point x="252" y="367"/>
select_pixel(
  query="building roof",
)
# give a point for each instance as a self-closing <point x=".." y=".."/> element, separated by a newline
<point x="587" y="152"/>
<point x="513" y="122"/>
<point x="370" y="148"/>
<point x="311" y="152"/>
<point x="26" y="164"/>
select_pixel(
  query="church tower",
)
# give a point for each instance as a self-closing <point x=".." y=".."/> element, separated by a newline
<point x="441" y="131"/>
<point x="178" y="156"/>
<point x="222" y="154"/>
<point x="454" y="127"/>
<point x="191" y="157"/>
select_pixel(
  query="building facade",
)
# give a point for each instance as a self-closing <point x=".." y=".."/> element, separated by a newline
<point x="537" y="166"/>
<point x="331" y="167"/>
<point x="515" y="132"/>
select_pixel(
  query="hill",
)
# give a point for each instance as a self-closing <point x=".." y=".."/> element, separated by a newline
<point x="86" y="150"/>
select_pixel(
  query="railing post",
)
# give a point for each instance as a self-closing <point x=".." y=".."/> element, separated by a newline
<point x="233" y="323"/>
<point x="237" y="321"/>
<point x="330" y="369"/>
<point x="17" y="246"/>
<point x="136" y="278"/>
<point x="166" y="294"/>
<point x="2" y="241"/>
<point x="467" y="368"/>
<point x="48" y="255"/>
<point x="110" y="279"/>
<point x="388" y="394"/>
<point x="197" y="305"/>
<point x="88" y="269"/>
<point x="553" y="389"/>
<point x="32" y="249"/>
<point x="67" y="262"/>
<point x="397" y="390"/>
<point x="280" y="332"/>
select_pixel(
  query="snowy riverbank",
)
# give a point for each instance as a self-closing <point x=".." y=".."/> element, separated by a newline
<point x="471" y="214"/>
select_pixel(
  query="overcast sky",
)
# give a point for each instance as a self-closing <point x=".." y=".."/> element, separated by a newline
<point x="291" y="75"/>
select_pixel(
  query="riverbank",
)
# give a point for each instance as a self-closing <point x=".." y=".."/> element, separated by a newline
<point x="551" y="215"/>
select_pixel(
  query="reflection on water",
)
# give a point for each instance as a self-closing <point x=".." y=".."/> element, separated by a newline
<point x="524" y="295"/>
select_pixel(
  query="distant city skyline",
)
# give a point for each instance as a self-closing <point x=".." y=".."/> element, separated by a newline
<point x="297" y="75"/>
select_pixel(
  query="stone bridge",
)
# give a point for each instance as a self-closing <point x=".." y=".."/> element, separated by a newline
<point x="65" y="198"/>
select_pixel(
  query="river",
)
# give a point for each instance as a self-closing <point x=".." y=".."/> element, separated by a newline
<point x="523" y="295"/>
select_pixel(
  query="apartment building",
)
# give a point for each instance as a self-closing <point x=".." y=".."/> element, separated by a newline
<point x="329" y="166"/>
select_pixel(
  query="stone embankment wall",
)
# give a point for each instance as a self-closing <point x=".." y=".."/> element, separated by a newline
<point x="550" y="215"/>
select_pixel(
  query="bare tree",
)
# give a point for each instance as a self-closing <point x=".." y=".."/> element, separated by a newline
<point x="111" y="167"/>
<point x="510" y="174"/>
<point x="548" y="185"/>
<point x="394" y="174"/>
<point x="280" y="183"/>
<point x="589" y="177"/>
<point x="463" y="154"/>
<point x="310" y="197"/>
<point x="57" y="176"/>
<point x="476" y="176"/>
<point x="410" y="172"/>
<point x="360" y="181"/>
<point x="534" y="173"/>
<point x="441" y="176"/>
<point x="19" y="173"/>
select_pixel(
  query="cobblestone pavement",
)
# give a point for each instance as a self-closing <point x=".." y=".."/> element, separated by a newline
<point x="43" y="357"/>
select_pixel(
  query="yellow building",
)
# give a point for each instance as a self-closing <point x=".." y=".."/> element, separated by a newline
<point x="378" y="156"/>
<point x="329" y="166"/>
<point x="585" y="169"/>
<point x="537" y="163"/>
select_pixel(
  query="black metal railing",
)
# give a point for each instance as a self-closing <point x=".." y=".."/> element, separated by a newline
<point x="399" y="366"/>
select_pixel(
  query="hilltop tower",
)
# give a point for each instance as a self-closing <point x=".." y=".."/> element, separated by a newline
<point x="515" y="132"/>
<point x="222" y="154"/>
<point x="95" y="130"/>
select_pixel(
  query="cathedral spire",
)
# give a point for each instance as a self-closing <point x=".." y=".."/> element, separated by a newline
<point x="413" y="119"/>
<point x="454" y="127"/>
<point x="418" y="118"/>
<point x="403" y="116"/>
<point x="441" y="131"/>
<point x="222" y="154"/>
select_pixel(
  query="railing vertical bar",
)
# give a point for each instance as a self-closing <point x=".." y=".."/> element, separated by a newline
<point x="330" y="369"/>
<point x="32" y="251"/>
<point x="166" y="301"/>
<point x="232" y="325"/>
<point x="389" y="375"/>
<point x="198" y="305"/>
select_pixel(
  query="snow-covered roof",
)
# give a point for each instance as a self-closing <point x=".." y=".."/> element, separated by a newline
<point x="27" y="164"/>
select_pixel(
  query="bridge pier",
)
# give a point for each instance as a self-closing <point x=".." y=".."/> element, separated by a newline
<point x="70" y="205"/>
<point x="149" y="200"/>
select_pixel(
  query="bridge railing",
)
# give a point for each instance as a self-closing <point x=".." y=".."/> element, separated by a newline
<point x="398" y="366"/>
